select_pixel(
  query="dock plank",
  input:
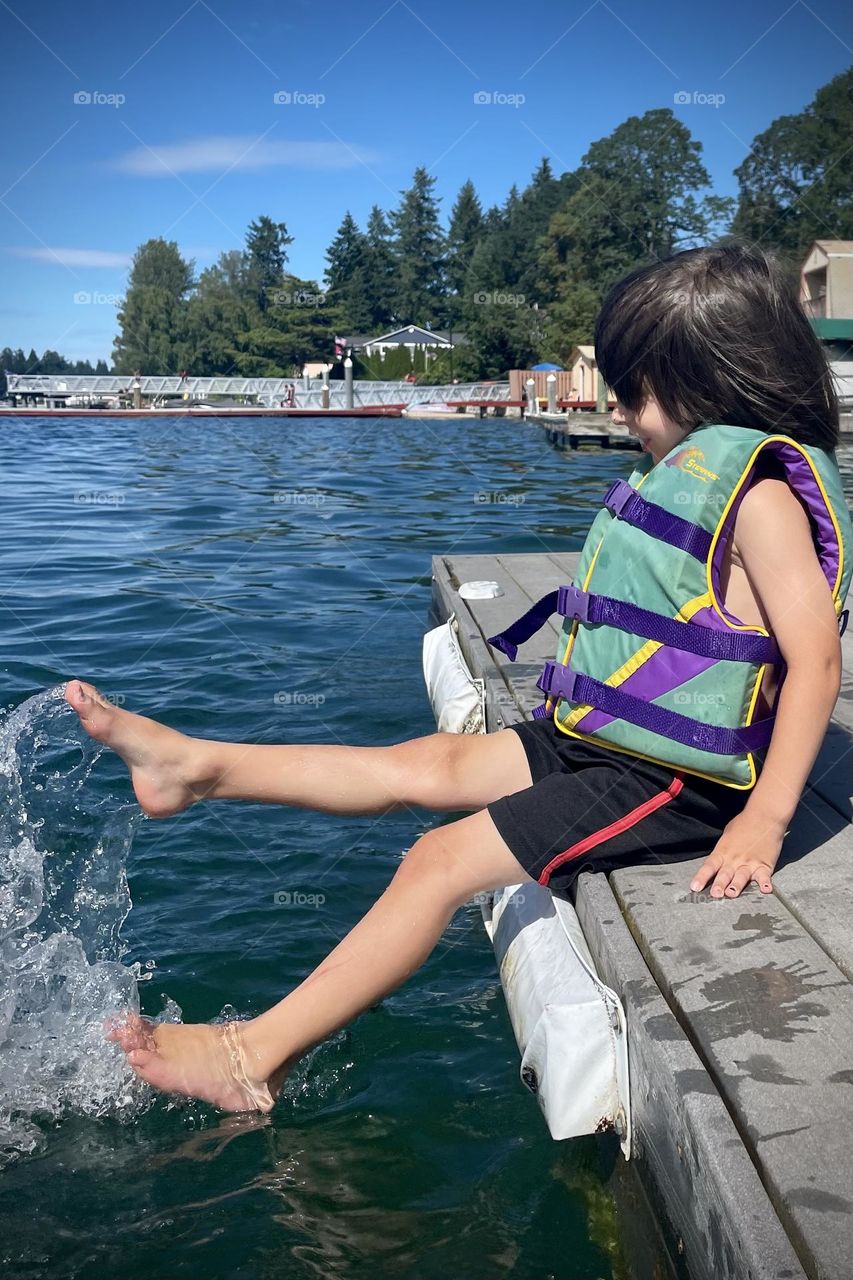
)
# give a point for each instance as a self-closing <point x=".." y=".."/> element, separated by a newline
<point x="814" y="878"/>
<point x="772" y="1018"/>
<point x="704" y="1184"/>
<point x="760" y="990"/>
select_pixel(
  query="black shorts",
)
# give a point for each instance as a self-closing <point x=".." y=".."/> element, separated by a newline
<point x="593" y="809"/>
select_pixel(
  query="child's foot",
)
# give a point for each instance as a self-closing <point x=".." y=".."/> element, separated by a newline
<point x="203" y="1061"/>
<point x="164" y="764"/>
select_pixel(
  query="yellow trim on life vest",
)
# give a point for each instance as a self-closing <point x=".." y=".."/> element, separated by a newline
<point x="666" y="764"/>
<point x="651" y="646"/>
<point x="639" y="657"/>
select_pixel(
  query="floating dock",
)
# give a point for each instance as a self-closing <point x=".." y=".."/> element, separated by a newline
<point x="572" y="430"/>
<point x="740" y="1011"/>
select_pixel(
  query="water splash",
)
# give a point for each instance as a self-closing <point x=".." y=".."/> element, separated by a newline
<point x="63" y="899"/>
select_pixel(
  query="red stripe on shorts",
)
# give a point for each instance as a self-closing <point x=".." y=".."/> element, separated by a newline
<point x="613" y="829"/>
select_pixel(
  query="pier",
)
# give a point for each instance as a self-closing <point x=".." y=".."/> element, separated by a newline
<point x="740" y="1012"/>
<point x="110" y="393"/>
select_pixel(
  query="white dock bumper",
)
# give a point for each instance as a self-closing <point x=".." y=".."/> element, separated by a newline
<point x="570" y="1027"/>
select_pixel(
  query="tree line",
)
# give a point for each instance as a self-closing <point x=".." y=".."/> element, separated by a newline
<point x="522" y="281"/>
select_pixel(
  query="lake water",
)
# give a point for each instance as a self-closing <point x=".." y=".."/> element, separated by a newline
<point x="270" y="582"/>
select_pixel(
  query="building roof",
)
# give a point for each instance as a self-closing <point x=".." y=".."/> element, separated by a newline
<point x="405" y="335"/>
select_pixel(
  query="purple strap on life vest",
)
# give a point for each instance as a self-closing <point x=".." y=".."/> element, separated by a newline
<point x="586" y="606"/>
<point x="623" y="500"/>
<point x="562" y="682"/>
<point x="524" y="627"/>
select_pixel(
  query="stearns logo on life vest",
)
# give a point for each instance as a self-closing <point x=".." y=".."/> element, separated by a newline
<point x="691" y="460"/>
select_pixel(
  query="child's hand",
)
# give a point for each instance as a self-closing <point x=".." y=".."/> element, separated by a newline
<point x="747" y="850"/>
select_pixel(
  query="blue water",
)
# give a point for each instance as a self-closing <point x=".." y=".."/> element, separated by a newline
<point x="270" y="582"/>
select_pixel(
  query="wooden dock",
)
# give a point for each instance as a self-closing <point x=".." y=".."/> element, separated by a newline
<point x="573" y="430"/>
<point x="740" y="1011"/>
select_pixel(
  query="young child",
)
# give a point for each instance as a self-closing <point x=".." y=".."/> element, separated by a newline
<point x="712" y="344"/>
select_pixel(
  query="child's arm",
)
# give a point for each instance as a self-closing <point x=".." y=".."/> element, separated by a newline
<point x="775" y="545"/>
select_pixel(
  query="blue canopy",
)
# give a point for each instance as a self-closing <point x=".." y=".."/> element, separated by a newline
<point x="546" y="365"/>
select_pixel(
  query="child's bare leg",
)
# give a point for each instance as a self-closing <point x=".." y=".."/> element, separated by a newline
<point x="442" y="771"/>
<point x="237" y="1070"/>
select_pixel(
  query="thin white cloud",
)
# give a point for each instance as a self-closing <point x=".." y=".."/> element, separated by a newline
<point x="75" y="257"/>
<point x="216" y="153"/>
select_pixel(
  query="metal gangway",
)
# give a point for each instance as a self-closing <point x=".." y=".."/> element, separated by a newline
<point x="307" y="393"/>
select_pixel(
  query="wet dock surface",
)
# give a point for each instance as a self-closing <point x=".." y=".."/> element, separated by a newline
<point x="740" y="1011"/>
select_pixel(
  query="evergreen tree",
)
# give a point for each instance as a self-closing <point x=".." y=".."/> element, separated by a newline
<point x="380" y="272"/>
<point x="419" y="254"/>
<point x="221" y="307"/>
<point x="296" y="326"/>
<point x="266" y="247"/>
<point x="153" y="330"/>
<point x="344" y="255"/>
<point x="463" y="234"/>
<point x="348" y="277"/>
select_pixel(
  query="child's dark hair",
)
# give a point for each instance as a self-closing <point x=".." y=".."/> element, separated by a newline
<point x="717" y="334"/>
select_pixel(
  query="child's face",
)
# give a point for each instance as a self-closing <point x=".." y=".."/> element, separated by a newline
<point x="656" y="432"/>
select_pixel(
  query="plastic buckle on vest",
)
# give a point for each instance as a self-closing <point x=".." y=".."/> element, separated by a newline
<point x="573" y="602"/>
<point x="564" y="678"/>
<point x="617" y="495"/>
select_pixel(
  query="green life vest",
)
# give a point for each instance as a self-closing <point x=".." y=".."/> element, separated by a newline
<point x="649" y="661"/>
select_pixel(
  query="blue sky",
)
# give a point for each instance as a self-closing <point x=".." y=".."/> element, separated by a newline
<point x="179" y="133"/>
